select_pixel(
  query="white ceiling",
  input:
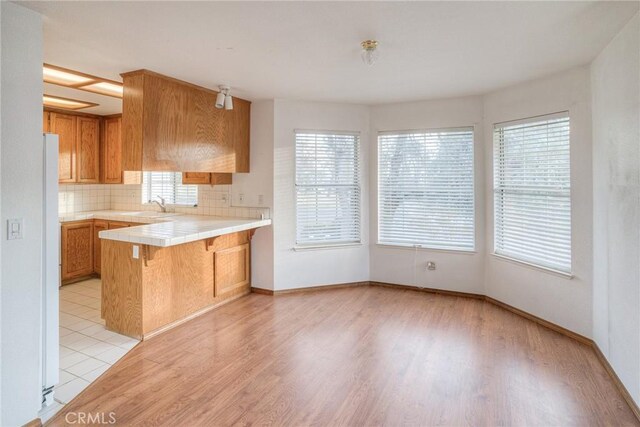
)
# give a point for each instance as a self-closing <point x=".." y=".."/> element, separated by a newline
<point x="310" y="50"/>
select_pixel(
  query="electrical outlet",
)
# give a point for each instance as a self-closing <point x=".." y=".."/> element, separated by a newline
<point x="225" y="200"/>
<point x="136" y="252"/>
<point x="431" y="265"/>
<point x="241" y="198"/>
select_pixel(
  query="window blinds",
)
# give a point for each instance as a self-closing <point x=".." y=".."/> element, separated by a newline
<point x="532" y="192"/>
<point x="425" y="189"/>
<point x="168" y="185"/>
<point x="327" y="188"/>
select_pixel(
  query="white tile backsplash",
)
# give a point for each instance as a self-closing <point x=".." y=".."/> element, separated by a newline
<point x="80" y="198"/>
<point x="212" y="200"/>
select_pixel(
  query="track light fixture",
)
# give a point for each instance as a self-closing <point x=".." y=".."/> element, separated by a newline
<point x="224" y="100"/>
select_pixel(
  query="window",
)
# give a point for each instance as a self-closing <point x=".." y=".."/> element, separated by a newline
<point x="327" y="188"/>
<point x="425" y="189"/>
<point x="168" y="185"/>
<point x="532" y="192"/>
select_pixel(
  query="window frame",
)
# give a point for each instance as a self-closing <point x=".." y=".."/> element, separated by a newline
<point x="513" y="259"/>
<point x="148" y="185"/>
<point x="358" y="176"/>
<point x="390" y="245"/>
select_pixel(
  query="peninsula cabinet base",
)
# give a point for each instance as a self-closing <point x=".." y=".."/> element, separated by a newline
<point x="163" y="287"/>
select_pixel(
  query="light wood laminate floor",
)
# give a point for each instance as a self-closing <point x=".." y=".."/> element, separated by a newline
<point x="357" y="356"/>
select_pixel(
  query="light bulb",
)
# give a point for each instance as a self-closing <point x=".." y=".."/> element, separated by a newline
<point x="369" y="51"/>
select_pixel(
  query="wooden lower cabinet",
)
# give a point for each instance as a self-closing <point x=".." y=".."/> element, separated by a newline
<point x="82" y="247"/>
<point x="77" y="250"/>
<point x="98" y="226"/>
<point x="166" y="285"/>
<point x="118" y="224"/>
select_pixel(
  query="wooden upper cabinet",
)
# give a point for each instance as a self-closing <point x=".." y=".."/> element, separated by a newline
<point x="112" y="151"/>
<point x="206" y="178"/>
<point x="64" y="125"/>
<point x="171" y="125"/>
<point x="196" y="178"/>
<point x="88" y="149"/>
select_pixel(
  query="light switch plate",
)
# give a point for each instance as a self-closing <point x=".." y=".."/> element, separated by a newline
<point x="15" y="228"/>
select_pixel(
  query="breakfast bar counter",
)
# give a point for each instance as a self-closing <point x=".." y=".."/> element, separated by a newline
<point x="158" y="275"/>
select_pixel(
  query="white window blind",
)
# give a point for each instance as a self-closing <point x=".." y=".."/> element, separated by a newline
<point x="532" y="192"/>
<point x="327" y="188"/>
<point x="168" y="185"/>
<point x="425" y="189"/>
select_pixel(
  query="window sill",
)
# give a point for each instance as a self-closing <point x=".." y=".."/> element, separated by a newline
<point x="424" y="248"/>
<point x="548" y="270"/>
<point x="329" y="246"/>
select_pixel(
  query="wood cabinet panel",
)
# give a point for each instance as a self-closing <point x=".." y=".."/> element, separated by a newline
<point x="117" y="224"/>
<point x="196" y="178"/>
<point x="207" y="178"/>
<point x="241" y="126"/>
<point x="112" y="151"/>
<point x="88" y="149"/>
<point x="98" y="226"/>
<point x="170" y="125"/>
<point x="77" y="249"/>
<point x="221" y="179"/>
<point x="64" y="125"/>
<point x="231" y="268"/>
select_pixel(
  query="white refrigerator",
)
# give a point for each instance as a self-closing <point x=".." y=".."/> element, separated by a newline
<point x="51" y="270"/>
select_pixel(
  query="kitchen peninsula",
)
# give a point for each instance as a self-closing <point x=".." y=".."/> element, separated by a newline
<point x="157" y="275"/>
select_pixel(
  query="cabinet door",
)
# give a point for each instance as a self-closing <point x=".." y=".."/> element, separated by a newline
<point x="221" y="179"/>
<point x="88" y="149"/>
<point x="196" y="178"/>
<point x="112" y="157"/>
<point x="98" y="226"/>
<point x="77" y="249"/>
<point x="231" y="269"/>
<point x="64" y="125"/>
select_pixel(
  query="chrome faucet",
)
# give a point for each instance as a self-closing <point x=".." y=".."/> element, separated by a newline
<point x="161" y="203"/>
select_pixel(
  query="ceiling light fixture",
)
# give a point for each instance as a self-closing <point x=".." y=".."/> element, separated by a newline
<point x="224" y="99"/>
<point x="66" y="103"/>
<point x="369" y="51"/>
<point x="77" y="80"/>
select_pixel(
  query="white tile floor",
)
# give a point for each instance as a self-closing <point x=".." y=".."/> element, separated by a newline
<point x="87" y="349"/>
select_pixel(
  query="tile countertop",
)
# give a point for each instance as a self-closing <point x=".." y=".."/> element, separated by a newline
<point x="167" y="229"/>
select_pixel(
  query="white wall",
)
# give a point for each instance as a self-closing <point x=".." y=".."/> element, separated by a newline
<point x="566" y="302"/>
<point x="615" y="77"/>
<point x="259" y="182"/>
<point x="456" y="271"/>
<point x="297" y="269"/>
<point x="21" y="172"/>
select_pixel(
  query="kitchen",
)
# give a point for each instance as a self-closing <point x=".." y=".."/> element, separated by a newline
<point x="157" y="248"/>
